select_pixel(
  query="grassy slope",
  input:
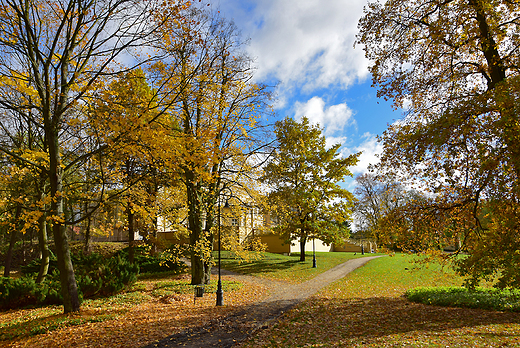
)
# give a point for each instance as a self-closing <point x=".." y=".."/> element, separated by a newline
<point x="367" y="309"/>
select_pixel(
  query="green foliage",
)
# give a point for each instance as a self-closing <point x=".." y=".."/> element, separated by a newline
<point x="24" y="291"/>
<point x="167" y="260"/>
<point x="18" y="292"/>
<point x="502" y="300"/>
<point x="304" y="175"/>
<point x="33" y="267"/>
<point x="99" y="276"/>
<point x="95" y="275"/>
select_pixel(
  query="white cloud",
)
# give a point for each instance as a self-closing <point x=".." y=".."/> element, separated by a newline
<point x="370" y="147"/>
<point x="305" y="44"/>
<point x="333" y="118"/>
<point x="331" y="141"/>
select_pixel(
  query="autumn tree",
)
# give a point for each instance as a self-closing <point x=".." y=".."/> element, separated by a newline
<point x="140" y="158"/>
<point x="53" y="54"/>
<point x="304" y="177"/>
<point x="453" y="66"/>
<point x="218" y="118"/>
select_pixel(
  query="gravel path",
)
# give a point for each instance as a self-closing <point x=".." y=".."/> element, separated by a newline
<point x="239" y="325"/>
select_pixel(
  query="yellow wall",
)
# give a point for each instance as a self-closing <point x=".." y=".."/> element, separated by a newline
<point x="274" y="244"/>
<point x="348" y="247"/>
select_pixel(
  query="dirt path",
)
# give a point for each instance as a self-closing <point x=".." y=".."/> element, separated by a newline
<point x="239" y="325"/>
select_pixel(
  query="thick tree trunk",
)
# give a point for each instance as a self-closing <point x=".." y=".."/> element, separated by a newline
<point x="303" y="241"/>
<point x="198" y="242"/>
<point x="69" y="289"/>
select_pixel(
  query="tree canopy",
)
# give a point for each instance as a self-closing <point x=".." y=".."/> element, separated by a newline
<point x="304" y="176"/>
<point x="453" y="67"/>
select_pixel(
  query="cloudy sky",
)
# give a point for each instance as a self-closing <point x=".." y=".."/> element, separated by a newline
<point x="306" y="48"/>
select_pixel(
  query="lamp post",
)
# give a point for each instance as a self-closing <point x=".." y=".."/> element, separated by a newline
<point x="220" y="293"/>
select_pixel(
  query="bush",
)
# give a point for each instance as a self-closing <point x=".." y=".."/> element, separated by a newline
<point x="17" y="292"/>
<point x="33" y="267"/>
<point x="22" y="292"/>
<point x="495" y="299"/>
<point x="168" y="260"/>
<point x="95" y="276"/>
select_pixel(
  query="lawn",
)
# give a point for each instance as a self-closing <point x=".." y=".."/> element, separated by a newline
<point x="287" y="267"/>
<point x="367" y="309"/>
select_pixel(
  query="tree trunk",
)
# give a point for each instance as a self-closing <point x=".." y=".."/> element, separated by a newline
<point x="198" y="242"/>
<point x="303" y="241"/>
<point x="87" y="246"/>
<point x="44" y="249"/>
<point x="69" y="288"/>
<point x="12" y="241"/>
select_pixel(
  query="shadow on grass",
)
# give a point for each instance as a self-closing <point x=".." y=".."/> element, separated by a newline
<point x="374" y="321"/>
<point x="263" y="266"/>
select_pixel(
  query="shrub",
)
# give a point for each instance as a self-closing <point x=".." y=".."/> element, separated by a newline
<point x="18" y="292"/>
<point x="96" y="275"/>
<point x="24" y="291"/>
<point x="168" y="260"/>
<point x="33" y="267"/>
<point x="484" y="298"/>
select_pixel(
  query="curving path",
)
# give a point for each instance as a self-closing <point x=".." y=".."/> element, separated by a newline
<point x="238" y="326"/>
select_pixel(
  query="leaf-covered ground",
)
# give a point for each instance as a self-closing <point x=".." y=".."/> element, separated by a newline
<point x="367" y="309"/>
<point x="123" y="321"/>
<point x="364" y="309"/>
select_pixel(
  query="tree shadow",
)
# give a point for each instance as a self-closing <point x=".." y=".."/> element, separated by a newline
<point x="262" y="266"/>
<point x="374" y="320"/>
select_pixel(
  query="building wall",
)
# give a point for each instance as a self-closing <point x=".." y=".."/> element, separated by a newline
<point x="274" y="244"/>
<point x="319" y="246"/>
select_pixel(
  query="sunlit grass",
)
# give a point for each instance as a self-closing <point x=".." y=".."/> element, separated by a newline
<point x="367" y="308"/>
<point x="391" y="276"/>
<point x="287" y="267"/>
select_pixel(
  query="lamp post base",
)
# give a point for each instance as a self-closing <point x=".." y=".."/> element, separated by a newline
<point x="220" y="294"/>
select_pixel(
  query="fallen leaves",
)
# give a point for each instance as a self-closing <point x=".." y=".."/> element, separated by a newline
<point x="147" y="320"/>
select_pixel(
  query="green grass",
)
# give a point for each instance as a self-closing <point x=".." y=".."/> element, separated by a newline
<point x="285" y="267"/>
<point x="392" y="276"/>
<point x="166" y="288"/>
<point x="496" y="299"/>
<point x="367" y="309"/>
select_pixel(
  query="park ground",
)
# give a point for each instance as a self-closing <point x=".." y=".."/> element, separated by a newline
<point x="364" y="309"/>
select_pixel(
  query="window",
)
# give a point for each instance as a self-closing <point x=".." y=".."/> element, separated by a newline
<point x="234" y="222"/>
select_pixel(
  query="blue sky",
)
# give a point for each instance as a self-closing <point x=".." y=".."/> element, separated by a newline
<point x="307" y="47"/>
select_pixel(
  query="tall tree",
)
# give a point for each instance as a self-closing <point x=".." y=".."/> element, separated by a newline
<point x="453" y="65"/>
<point x="218" y="118"/>
<point x="304" y="177"/>
<point x="53" y="53"/>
